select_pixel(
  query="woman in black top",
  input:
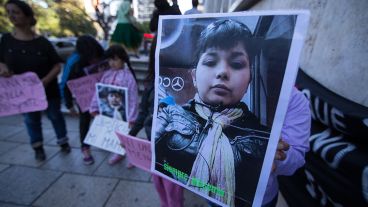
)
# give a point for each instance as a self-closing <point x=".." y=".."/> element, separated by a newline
<point x="22" y="51"/>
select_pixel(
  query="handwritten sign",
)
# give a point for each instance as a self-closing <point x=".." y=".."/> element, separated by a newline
<point x="21" y="93"/>
<point x="138" y="151"/>
<point x="101" y="134"/>
<point x="83" y="89"/>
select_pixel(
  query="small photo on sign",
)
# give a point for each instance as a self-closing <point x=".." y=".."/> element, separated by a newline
<point x="112" y="101"/>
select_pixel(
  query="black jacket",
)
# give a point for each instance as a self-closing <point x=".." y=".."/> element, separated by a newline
<point x="180" y="132"/>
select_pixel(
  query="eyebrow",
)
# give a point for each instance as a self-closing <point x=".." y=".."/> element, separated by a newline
<point x="237" y="54"/>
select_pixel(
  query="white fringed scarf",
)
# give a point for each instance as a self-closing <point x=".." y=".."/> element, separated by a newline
<point x="215" y="159"/>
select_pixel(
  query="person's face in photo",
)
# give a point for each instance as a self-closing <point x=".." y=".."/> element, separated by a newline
<point x="222" y="76"/>
<point x="114" y="99"/>
<point x="16" y="15"/>
<point x="116" y="63"/>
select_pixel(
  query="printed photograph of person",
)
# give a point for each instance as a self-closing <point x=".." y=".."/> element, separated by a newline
<point x="215" y="108"/>
<point x="112" y="101"/>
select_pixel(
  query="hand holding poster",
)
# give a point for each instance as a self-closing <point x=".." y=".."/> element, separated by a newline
<point x="218" y="137"/>
<point x="83" y="89"/>
<point x="138" y="151"/>
<point x="102" y="134"/>
<point x="21" y="93"/>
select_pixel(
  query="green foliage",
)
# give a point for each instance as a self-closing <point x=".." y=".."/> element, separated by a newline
<point x="5" y="25"/>
<point x="64" y="18"/>
<point x="74" y="20"/>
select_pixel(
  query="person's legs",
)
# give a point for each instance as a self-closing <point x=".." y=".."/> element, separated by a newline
<point x="34" y="129"/>
<point x="160" y="188"/>
<point x="84" y="122"/>
<point x="58" y="122"/>
<point x="32" y="121"/>
<point x="174" y="193"/>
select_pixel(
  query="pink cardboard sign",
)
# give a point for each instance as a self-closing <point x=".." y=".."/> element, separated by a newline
<point x="21" y="93"/>
<point x="83" y="89"/>
<point x="138" y="151"/>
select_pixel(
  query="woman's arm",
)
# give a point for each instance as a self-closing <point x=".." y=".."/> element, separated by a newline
<point x="52" y="74"/>
<point x="295" y="132"/>
<point x="143" y="113"/>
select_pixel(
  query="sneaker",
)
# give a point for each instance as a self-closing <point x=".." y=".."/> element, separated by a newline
<point x="40" y="154"/>
<point x="115" y="158"/>
<point x="65" y="148"/>
<point x="87" y="157"/>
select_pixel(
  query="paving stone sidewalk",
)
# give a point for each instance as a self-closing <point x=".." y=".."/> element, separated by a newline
<point x="63" y="180"/>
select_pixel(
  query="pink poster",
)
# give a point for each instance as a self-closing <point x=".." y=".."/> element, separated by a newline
<point x="83" y="89"/>
<point x="138" y="151"/>
<point x="21" y="93"/>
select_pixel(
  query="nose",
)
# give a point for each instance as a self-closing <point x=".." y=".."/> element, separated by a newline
<point x="222" y="71"/>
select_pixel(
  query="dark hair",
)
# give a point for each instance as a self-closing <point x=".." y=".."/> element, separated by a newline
<point x="26" y="9"/>
<point x="88" y="49"/>
<point x="195" y="3"/>
<point x="225" y="34"/>
<point x="119" y="51"/>
<point x="104" y="92"/>
<point x="161" y="4"/>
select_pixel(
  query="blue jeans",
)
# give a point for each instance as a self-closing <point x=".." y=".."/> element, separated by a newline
<point x="34" y="125"/>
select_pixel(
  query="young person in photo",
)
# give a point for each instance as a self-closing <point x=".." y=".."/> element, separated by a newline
<point x="22" y="51"/>
<point x="214" y="140"/>
<point x="112" y="104"/>
<point x="120" y="74"/>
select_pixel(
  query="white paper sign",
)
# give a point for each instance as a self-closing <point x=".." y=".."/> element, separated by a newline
<point x="102" y="134"/>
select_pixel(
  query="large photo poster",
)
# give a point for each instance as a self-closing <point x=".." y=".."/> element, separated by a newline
<point x="223" y="83"/>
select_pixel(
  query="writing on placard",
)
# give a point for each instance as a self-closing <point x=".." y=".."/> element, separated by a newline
<point x="138" y="151"/>
<point x="102" y="134"/>
<point x="21" y="93"/>
<point x="83" y="89"/>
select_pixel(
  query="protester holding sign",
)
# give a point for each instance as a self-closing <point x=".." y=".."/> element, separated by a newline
<point x="90" y="52"/>
<point x="120" y="74"/>
<point x="214" y="144"/>
<point x="23" y="50"/>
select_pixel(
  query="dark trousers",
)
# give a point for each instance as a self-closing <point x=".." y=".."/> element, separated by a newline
<point x="84" y="123"/>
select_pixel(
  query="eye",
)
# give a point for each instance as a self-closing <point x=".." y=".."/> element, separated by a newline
<point x="238" y="64"/>
<point x="210" y="62"/>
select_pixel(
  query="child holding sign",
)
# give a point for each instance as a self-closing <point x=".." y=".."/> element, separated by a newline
<point x="90" y="52"/>
<point x="120" y="74"/>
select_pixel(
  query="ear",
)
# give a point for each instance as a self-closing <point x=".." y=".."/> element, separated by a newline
<point x="193" y="73"/>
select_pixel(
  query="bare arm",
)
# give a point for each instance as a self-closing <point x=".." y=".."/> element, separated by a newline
<point x="52" y="74"/>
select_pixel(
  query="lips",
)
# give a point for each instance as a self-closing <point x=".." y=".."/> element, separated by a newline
<point x="221" y="87"/>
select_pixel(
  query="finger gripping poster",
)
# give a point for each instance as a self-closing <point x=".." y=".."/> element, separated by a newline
<point x="223" y="82"/>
